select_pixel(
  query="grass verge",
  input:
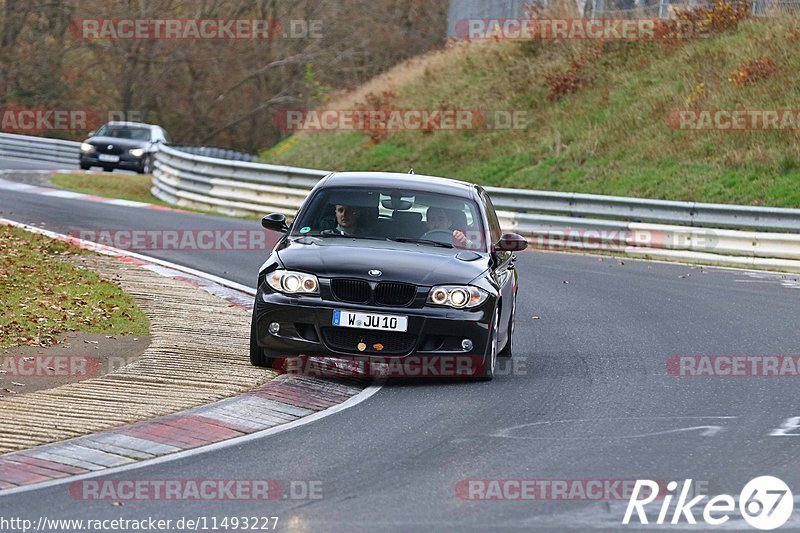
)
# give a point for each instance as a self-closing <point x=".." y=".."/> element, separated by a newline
<point x="124" y="187"/>
<point x="607" y="132"/>
<point x="42" y="294"/>
<point x="135" y="187"/>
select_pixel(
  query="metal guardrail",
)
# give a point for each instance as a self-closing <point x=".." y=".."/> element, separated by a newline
<point x="218" y="153"/>
<point x="253" y="188"/>
<point x="66" y="152"/>
<point x="230" y="187"/>
<point x="755" y="236"/>
<point x="644" y="210"/>
<point x="39" y="149"/>
<point x="550" y="220"/>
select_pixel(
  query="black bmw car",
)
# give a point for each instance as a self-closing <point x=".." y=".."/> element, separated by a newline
<point x="391" y="267"/>
<point x="123" y="145"/>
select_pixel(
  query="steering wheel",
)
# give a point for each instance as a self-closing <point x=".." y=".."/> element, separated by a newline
<point x="438" y="235"/>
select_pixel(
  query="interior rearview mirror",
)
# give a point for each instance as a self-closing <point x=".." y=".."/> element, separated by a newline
<point x="275" y="222"/>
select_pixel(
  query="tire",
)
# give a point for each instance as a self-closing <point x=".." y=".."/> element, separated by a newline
<point x="508" y="349"/>
<point x="108" y="169"/>
<point x="147" y="165"/>
<point x="257" y="356"/>
<point x="85" y="167"/>
<point x="490" y="360"/>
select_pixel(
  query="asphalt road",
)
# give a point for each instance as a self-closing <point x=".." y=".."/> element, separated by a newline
<point x="10" y="163"/>
<point x="589" y="398"/>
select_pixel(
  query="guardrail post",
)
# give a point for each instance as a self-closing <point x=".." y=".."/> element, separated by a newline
<point x="663" y="9"/>
<point x="598" y="8"/>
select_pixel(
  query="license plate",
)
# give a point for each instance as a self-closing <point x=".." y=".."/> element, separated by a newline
<point x="108" y="158"/>
<point x="349" y="319"/>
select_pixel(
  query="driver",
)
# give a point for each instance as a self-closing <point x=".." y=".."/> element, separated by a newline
<point x="437" y="218"/>
<point x="347" y="219"/>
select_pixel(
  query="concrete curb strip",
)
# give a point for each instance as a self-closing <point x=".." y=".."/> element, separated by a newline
<point x="197" y="361"/>
<point x="197" y="355"/>
<point x="280" y="401"/>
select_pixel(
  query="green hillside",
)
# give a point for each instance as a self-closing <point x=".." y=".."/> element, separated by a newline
<point x="610" y="136"/>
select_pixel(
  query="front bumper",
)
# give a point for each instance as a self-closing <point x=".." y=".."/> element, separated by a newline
<point x="126" y="162"/>
<point x="306" y="328"/>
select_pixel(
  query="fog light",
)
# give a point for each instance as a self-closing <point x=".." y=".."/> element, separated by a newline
<point x="274" y="328"/>
<point x="466" y="345"/>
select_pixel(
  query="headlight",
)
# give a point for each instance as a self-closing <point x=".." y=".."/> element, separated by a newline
<point x="457" y="296"/>
<point x="136" y="152"/>
<point x="87" y="148"/>
<point x="290" y="282"/>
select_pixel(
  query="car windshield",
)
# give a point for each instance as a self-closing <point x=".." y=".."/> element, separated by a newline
<point x="395" y="214"/>
<point x="125" y="132"/>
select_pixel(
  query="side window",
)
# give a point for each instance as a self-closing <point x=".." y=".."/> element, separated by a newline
<point x="494" y="224"/>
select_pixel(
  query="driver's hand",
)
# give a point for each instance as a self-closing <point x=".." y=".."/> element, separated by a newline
<point x="459" y="239"/>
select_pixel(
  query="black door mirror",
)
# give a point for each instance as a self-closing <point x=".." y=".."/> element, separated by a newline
<point x="92" y="133"/>
<point x="275" y="222"/>
<point x="511" y="242"/>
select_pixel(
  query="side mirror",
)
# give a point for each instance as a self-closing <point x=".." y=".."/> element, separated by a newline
<point x="92" y="133"/>
<point x="511" y="242"/>
<point x="275" y="222"/>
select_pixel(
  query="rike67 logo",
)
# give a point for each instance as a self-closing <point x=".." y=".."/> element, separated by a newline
<point x="765" y="503"/>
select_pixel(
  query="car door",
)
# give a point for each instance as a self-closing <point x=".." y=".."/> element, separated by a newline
<point x="502" y="268"/>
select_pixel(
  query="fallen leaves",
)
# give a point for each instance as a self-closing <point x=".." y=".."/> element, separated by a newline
<point x="44" y="295"/>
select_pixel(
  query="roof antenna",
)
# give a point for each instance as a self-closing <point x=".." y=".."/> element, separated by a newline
<point x="410" y="170"/>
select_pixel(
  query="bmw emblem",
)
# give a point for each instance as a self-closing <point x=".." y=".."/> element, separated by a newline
<point x="375" y="272"/>
<point x="110" y="147"/>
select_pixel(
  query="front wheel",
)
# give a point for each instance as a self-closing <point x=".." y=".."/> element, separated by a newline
<point x="85" y="167"/>
<point x="490" y="360"/>
<point x="147" y="165"/>
<point x="257" y="356"/>
<point x="508" y="349"/>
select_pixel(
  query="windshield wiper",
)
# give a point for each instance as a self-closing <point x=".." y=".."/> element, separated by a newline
<point x="336" y="234"/>
<point x="423" y="241"/>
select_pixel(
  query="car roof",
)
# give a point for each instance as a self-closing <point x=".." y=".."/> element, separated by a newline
<point x="400" y="180"/>
<point x="139" y="124"/>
